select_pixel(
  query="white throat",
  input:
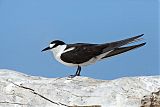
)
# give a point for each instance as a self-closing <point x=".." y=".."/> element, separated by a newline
<point x="57" y="51"/>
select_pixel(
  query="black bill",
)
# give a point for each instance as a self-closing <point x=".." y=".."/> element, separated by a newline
<point x="46" y="49"/>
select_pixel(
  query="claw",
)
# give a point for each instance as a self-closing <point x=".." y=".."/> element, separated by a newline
<point x="72" y="76"/>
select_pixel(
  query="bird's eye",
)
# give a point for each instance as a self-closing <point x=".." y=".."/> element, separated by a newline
<point x="51" y="45"/>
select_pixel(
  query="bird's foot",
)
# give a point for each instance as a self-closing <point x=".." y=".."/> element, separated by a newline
<point x="78" y="75"/>
<point x="72" y="76"/>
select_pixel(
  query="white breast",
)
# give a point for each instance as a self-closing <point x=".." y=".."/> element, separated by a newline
<point x="58" y="51"/>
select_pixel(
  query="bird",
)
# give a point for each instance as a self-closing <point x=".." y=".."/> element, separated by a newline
<point x="83" y="54"/>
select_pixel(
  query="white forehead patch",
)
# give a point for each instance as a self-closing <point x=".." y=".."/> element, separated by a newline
<point x="51" y="45"/>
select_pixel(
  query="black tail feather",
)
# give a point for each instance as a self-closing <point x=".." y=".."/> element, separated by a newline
<point x="120" y="50"/>
<point x="117" y="44"/>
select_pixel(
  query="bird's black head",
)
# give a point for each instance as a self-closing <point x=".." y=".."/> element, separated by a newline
<point x="54" y="44"/>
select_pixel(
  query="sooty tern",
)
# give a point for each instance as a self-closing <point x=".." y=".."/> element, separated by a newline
<point x="82" y="54"/>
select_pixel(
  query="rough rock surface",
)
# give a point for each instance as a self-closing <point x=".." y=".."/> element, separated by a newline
<point x="21" y="90"/>
<point x="152" y="100"/>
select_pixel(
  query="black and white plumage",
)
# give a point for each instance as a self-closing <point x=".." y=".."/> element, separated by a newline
<point x="82" y="54"/>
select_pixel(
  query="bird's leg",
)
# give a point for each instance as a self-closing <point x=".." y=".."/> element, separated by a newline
<point x="78" y="71"/>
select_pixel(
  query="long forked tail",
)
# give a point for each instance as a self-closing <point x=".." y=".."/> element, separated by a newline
<point x="120" y="50"/>
<point x="117" y="44"/>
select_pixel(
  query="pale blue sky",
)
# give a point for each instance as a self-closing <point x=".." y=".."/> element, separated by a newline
<point x="27" y="26"/>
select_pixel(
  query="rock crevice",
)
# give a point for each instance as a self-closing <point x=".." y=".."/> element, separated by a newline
<point x="30" y="91"/>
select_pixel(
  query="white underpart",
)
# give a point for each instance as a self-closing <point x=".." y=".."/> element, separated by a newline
<point x="57" y="51"/>
<point x="61" y="49"/>
<point x="94" y="59"/>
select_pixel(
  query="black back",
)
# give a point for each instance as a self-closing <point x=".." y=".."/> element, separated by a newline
<point x="82" y="53"/>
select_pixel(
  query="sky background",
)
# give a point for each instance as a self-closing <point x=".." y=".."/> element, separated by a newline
<point x="28" y="26"/>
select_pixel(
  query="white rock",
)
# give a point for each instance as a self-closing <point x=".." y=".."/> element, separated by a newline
<point x="123" y="92"/>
